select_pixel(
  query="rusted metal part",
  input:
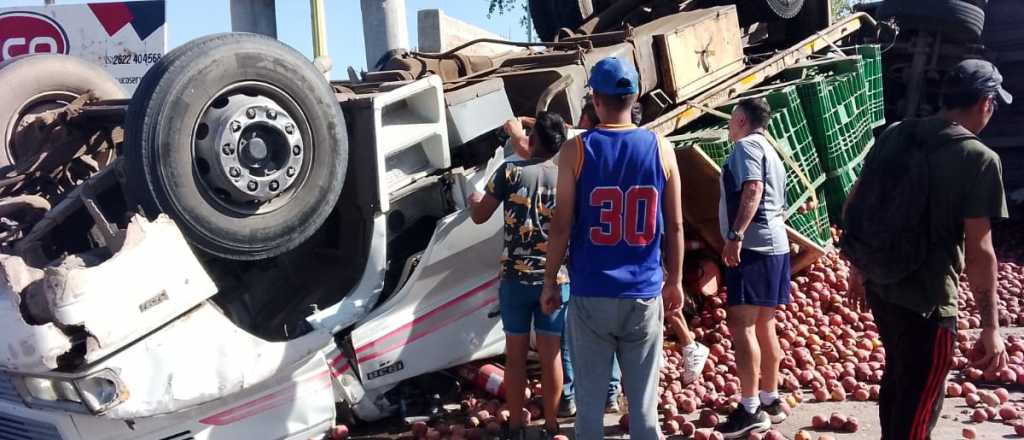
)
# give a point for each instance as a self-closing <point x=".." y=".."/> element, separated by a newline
<point x="451" y="52"/>
<point x="63" y="147"/>
<point x="549" y="93"/>
<point x="448" y="68"/>
<point x="753" y="76"/>
<point x="610" y="17"/>
<point x="18" y="214"/>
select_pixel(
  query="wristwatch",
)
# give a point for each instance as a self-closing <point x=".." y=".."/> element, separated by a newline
<point x="734" y="236"/>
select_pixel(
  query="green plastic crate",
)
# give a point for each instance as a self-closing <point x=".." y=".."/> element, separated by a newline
<point x="836" y="112"/>
<point x="814" y="224"/>
<point x="713" y="141"/>
<point x="872" y="55"/>
<point x="838" y="185"/>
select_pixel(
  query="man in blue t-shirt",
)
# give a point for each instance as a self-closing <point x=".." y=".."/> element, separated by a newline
<point x="617" y="198"/>
<point x="756" y="254"/>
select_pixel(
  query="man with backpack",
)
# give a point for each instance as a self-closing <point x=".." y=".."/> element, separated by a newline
<point x="925" y="200"/>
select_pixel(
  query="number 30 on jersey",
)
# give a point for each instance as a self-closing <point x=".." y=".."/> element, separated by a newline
<point x="631" y="216"/>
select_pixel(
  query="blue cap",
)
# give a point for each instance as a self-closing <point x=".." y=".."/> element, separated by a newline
<point x="611" y="76"/>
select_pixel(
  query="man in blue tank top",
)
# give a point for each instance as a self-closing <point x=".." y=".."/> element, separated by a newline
<point x="617" y="198"/>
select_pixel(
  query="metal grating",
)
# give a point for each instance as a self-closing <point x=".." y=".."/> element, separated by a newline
<point x="7" y="391"/>
<point x="17" y="428"/>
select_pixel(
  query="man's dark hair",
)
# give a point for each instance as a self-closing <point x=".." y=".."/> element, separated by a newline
<point x="549" y="131"/>
<point x="616" y="102"/>
<point x="962" y="99"/>
<point x="757" y="110"/>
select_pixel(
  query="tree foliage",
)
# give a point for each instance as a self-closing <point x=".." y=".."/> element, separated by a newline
<point x="502" y="7"/>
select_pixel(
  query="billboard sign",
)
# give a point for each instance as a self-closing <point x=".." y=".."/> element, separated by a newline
<point x="125" y="38"/>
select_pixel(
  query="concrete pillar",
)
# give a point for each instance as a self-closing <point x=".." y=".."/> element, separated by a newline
<point x="438" y="33"/>
<point x="257" y="16"/>
<point x="384" y="28"/>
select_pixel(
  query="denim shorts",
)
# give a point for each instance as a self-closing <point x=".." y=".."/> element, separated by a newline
<point x="520" y="304"/>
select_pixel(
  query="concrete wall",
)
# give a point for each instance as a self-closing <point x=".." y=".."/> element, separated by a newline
<point x="439" y="32"/>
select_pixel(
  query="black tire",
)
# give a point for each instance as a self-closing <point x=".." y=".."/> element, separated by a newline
<point x="551" y="15"/>
<point x="35" y="83"/>
<point x="753" y="11"/>
<point x="168" y="163"/>
<point x="956" y="20"/>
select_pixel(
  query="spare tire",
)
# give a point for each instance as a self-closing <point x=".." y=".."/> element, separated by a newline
<point x="956" y="20"/>
<point x="37" y="83"/>
<point x="241" y="141"/>
<point x="551" y="15"/>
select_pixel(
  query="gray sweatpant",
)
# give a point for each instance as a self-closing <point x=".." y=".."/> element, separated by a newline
<point x="631" y="328"/>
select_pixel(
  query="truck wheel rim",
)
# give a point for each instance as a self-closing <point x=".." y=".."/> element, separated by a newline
<point x="27" y="113"/>
<point x="249" y="148"/>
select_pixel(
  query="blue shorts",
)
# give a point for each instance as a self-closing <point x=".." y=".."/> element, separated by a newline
<point x="759" y="280"/>
<point x="520" y="304"/>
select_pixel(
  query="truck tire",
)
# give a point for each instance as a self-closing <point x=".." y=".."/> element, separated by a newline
<point x="753" y="11"/>
<point x="551" y="15"/>
<point x="241" y="141"/>
<point x="33" y="84"/>
<point x="956" y="20"/>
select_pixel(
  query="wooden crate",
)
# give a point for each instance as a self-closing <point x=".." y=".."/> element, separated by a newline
<point x="705" y="48"/>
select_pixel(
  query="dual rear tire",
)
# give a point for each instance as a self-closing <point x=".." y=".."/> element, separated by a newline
<point x="237" y="137"/>
<point x="241" y="141"/>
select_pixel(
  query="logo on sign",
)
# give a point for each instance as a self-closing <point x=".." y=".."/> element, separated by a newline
<point x="24" y="33"/>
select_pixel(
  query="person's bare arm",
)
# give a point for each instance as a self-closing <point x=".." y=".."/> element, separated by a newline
<point x="982" y="268"/>
<point x="518" y="138"/>
<point x="482" y="206"/>
<point x="561" y="223"/>
<point x="750" y="199"/>
<point x="672" y="205"/>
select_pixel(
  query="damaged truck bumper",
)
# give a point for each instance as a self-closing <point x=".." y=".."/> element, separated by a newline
<point x="295" y="404"/>
<point x="119" y="346"/>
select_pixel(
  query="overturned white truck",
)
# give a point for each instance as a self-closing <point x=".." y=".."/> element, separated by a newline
<point x="243" y="249"/>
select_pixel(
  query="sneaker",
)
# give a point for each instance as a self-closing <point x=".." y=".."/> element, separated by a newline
<point x="567" y="408"/>
<point x="741" y="423"/>
<point x="775" y="412"/>
<point x="612" y="407"/>
<point x="694" y="358"/>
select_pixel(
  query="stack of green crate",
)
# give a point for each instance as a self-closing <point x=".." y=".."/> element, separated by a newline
<point x="835" y="95"/>
<point x="872" y="55"/>
<point x="789" y="130"/>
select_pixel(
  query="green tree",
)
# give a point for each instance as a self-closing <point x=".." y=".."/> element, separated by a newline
<point x="502" y="7"/>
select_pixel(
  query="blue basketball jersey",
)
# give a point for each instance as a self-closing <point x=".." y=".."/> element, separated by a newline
<point x="615" y="247"/>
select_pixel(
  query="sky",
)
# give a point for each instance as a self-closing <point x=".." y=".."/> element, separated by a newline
<point x="188" y="19"/>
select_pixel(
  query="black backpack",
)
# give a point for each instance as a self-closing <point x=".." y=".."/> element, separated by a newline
<point x="886" y="217"/>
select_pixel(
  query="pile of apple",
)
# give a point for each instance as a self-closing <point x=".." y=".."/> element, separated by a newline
<point x="829" y="348"/>
<point x="832" y="352"/>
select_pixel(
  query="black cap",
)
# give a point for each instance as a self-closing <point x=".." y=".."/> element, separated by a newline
<point x="977" y="76"/>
